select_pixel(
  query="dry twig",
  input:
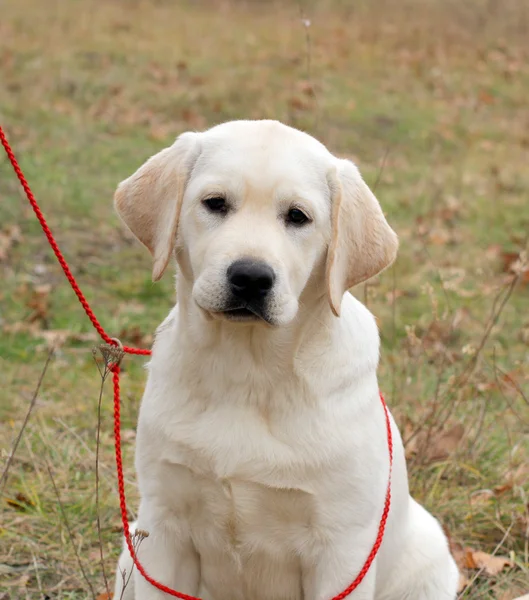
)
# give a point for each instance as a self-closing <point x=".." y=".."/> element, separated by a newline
<point x="3" y="479"/>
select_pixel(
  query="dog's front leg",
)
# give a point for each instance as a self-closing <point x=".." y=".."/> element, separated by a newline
<point x="330" y="572"/>
<point x="167" y="554"/>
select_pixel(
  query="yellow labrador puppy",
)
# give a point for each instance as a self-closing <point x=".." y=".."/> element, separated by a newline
<point x="262" y="455"/>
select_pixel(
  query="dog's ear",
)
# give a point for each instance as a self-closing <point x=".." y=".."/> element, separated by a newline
<point x="362" y="242"/>
<point x="150" y="200"/>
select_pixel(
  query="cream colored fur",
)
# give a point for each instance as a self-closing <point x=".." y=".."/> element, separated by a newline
<point x="261" y="455"/>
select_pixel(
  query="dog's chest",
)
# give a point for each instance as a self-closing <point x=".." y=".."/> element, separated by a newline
<point x="244" y="479"/>
<point x="247" y="534"/>
<point x="245" y="493"/>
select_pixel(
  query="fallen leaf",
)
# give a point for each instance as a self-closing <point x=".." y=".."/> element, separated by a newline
<point x="191" y="117"/>
<point x="508" y="259"/>
<point x="493" y="251"/>
<point x="501" y="489"/>
<point x="439" y="236"/>
<point x="135" y="336"/>
<point x="40" y="303"/>
<point x="446" y="443"/>
<point x="514" y="594"/>
<point x="491" y="565"/>
<point x="307" y="88"/>
<point x="20" y="502"/>
<point x="217" y="106"/>
<point x="298" y="104"/>
<point x="439" y="446"/>
<point x="105" y="596"/>
<point x="517" y="264"/>
<point x="481" y="497"/>
<point x="485" y="98"/>
<point x="9" y="237"/>
<point x="469" y="561"/>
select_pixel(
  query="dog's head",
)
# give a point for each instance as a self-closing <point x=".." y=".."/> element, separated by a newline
<point x="256" y="211"/>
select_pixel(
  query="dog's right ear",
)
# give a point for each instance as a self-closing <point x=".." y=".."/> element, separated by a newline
<point x="149" y="201"/>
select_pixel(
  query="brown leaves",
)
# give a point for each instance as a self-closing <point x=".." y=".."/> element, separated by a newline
<point x="9" y="237"/>
<point x="193" y="118"/>
<point x="516" y="263"/>
<point x="20" y="502"/>
<point x="513" y="478"/>
<point x="441" y="445"/>
<point x="473" y="563"/>
<point x="307" y="88"/>
<point x="468" y="559"/>
<point x="298" y="103"/>
<point x="485" y="97"/>
<point x="135" y="336"/>
<point x="430" y="447"/>
<point x="39" y="302"/>
<point x="437" y="226"/>
<point x="487" y="563"/>
<point x="511" y="262"/>
<point x="304" y="99"/>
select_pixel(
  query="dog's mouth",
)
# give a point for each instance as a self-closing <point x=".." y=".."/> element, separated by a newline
<point x="240" y="313"/>
<point x="243" y="314"/>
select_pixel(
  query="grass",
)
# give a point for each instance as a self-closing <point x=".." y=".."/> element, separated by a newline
<point x="428" y="96"/>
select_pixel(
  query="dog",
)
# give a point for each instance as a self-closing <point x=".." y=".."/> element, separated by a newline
<point x="262" y="453"/>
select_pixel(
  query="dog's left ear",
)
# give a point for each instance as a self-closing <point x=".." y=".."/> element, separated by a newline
<point x="362" y="242"/>
<point x="150" y="200"/>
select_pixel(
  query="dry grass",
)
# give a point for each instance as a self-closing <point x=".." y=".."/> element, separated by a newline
<point x="429" y="96"/>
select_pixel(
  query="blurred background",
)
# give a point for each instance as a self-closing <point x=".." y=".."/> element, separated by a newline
<point x="428" y="97"/>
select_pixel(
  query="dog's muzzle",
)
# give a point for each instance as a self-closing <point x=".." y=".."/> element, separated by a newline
<point x="250" y="283"/>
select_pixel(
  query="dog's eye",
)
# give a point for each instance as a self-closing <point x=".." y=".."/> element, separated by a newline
<point x="216" y="205"/>
<point x="297" y="217"/>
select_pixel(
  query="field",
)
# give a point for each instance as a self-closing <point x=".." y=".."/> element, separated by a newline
<point x="430" y="99"/>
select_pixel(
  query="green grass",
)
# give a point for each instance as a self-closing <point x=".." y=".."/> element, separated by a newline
<point x="428" y="96"/>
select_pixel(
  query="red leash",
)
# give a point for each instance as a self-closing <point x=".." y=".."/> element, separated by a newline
<point x="115" y="368"/>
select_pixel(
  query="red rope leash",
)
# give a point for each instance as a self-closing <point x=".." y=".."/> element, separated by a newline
<point x="117" y="404"/>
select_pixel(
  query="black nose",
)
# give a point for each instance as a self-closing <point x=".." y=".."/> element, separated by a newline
<point x="250" y="280"/>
